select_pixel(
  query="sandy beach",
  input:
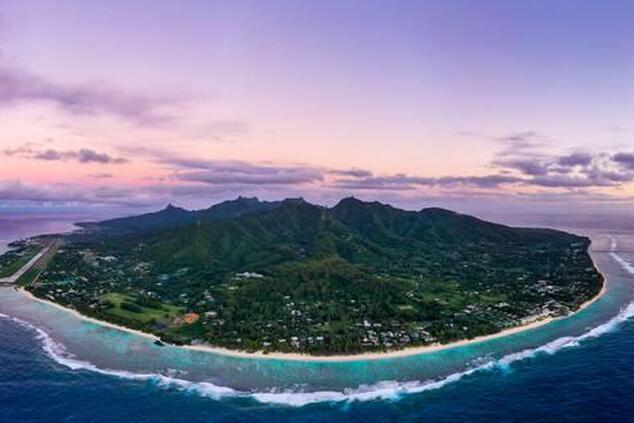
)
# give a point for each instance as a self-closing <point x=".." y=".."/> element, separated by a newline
<point x="398" y="353"/>
<point x="87" y="318"/>
<point x="334" y="358"/>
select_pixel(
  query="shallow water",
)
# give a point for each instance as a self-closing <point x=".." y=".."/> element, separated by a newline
<point x="189" y="383"/>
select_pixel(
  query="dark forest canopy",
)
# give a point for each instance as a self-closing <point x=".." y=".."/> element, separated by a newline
<point x="294" y="276"/>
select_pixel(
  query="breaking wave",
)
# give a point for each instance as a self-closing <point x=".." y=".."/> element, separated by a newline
<point x="385" y="390"/>
<point x="58" y="353"/>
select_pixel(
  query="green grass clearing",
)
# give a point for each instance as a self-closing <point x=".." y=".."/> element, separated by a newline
<point x="166" y="312"/>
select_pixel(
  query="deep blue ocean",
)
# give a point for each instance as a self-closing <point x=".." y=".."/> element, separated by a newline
<point x="592" y="382"/>
<point x="587" y="375"/>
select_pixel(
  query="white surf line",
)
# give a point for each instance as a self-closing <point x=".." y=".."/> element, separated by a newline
<point x="393" y="390"/>
<point x="13" y="278"/>
<point x="57" y="352"/>
<point x="384" y="390"/>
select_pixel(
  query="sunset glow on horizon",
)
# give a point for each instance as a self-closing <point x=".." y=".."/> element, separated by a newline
<point x="497" y="106"/>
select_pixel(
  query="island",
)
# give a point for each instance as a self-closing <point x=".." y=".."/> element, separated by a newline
<point x="294" y="277"/>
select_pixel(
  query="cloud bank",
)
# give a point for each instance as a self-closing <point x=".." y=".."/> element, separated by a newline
<point x="83" y="155"/>
<point x="18" y="85"/>
<point x="528" y="174"/>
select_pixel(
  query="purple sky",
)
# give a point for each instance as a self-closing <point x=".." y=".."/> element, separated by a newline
<point x="477" y="106"/>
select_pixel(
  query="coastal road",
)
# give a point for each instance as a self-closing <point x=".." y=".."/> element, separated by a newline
<point x="13" y="278"/>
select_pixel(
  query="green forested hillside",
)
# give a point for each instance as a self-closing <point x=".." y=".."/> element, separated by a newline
<point x="293" y="276"/>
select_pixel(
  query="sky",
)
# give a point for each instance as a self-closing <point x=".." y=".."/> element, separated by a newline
<point x="124" y="106"/>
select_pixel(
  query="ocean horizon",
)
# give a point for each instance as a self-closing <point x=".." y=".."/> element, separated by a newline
<point x="316" y="211"/>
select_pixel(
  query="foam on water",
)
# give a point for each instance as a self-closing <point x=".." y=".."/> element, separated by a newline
<point x="58" y="353"/>
<point x="385" y="390"/>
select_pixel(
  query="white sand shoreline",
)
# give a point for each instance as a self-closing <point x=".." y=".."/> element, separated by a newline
<point x="334" y="358"/>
